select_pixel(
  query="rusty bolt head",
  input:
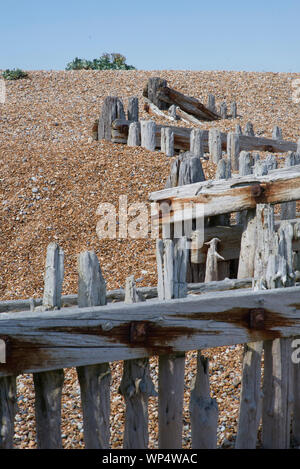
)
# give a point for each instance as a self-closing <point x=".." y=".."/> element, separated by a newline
<point x="138" y="332"/>
<point x="257" y="318"/>
<point x="257" y="190"/>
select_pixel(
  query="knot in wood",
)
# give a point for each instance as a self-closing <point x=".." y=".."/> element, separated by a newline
<point x="257" y="318"/>
<point x="257" y="190"/>
<point x="138" y="332"/>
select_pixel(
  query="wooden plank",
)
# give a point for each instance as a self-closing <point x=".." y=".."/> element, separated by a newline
<point x="82" y="336"/>
<point x="232" y="195"/>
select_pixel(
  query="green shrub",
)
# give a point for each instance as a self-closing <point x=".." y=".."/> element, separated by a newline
<point x="14" y="74"/>
<point x="105" y="62"/>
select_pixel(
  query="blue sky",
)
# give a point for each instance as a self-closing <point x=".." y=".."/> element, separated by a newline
<point x="153" y="35"/>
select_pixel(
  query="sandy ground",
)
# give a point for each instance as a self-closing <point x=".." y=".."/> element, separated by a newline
<point x="53" y="177"/>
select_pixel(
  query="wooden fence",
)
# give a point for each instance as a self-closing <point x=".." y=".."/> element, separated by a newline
<point x="88" y="331"/>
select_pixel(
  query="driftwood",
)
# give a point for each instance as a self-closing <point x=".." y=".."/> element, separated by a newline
<point x="203" y="409"/>
<point x="167" y="141"/>
<point x="148" y="135"/>
<point x="223" y="110"/>
<point x="211" y="103"/>
<point x="233" y="149"/>
<point x="196" y="146"/>
<point x="215" y="145"/>
<point x="94" y="380"/>
<point x="211" y="270"/>
<point x="111" y="110"/>
<point x="134" y="139"/>
<point x="171" y="269"/>
<point x="48" y="385"/>
<point x="249" y="129"/>
<point x="182" y="139"/>
<point x="8" y="407"/>
<point x="136" y="387"/>
<point x="69" y="337"/>
<point x="162" y="96"/>
<point x="133" y="109"/>
<point x="236" y="194"/>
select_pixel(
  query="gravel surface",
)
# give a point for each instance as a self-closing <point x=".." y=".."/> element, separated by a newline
<point x="53" y="177"/>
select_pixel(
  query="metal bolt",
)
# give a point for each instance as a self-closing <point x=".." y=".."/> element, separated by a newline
<point x="138" y="332"/>
<point x="257" y="190"/>
<point x="257" y="318"/>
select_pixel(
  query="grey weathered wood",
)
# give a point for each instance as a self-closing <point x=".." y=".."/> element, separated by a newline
<point x="245" y="168"/>
<point x="211" y="102"/>
<point x="172" y="111"/>
<point x="171" y="266"/>
<point x="196" y="146"/>
<point x="296" y="404"/>
<point x="182" y="139"/>
<point x="136" y="387"/>
<point x="233" y="150"/>
<point x="111" y="110"/>
<point x="203" y="409"/>
<point x="250" y="401"/>
<point x="288" y="210"/>
<point x="249" y="129"/>
<point x="277" y="133"/>
<point x="223" y="172"/>
<point x="248" y="245"/>
<point x="187" y="118"/>
<point x="148" y="139"/>
<point x="223" y="110"/>
<point x="8" y="407"/>
<point x="134" y="132"/>
<point x="83" y="336"/>
<point x="48" y="385"/>
<point x="143" y="292"/>
<point x="273" y="269"/>
<point x="186" y="103"/>
<point x="94" y="380"/>
<point x="133" y="109"/>
<point x="151" y="92"/>
<point x="283" y="185"/>
<point x="153" y="109"/>
<point x="211" y="271"/>
<point x="238" y="130"/>
<point x="260" y="168"/>
<point x="215" y="145"/>
<point x="233" y="108"/>
<point x="167" y="141"/>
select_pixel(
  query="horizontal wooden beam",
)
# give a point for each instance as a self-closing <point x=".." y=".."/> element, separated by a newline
<point x="82" y="336"/>
<point x="119" y="294"/>
<point x="182" y="139"/>
<point x="233" y="195"/>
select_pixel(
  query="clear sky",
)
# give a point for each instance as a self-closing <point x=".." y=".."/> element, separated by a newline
<point x="255" y="35"/>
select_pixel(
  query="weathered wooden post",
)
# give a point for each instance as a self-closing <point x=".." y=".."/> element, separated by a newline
<point x="136" y="387"/>
<point x="211" y="269"/>
<point x="94" y="380"/>
<point x="203" y="409"/>
<point x="171" y="269"/>
<point x="148" y="135"/>
<point x="48" y="385"/>
<point x="233" y="107"/>
<point x="167" y="141"/>
<point x="112" y="109"/>
<point x="277" y="133"/>
<point x="133" y="109"/>
<point x="172" y="111"/>
<point x="196" y="142"/>
<point x="134" y="130"/>
<point x="249" y="129"/>
<point x="211" y="102"/>
<point x="288" y="209"/>
<point x="223" y="110"/>
<point x="8" y="407"/>
<point x="245" y="168"/>
<point x="233" y="150"/>
<point x="215" y="145"/>
<point x="151" y="91"/>
<point x="238" y="130"/>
